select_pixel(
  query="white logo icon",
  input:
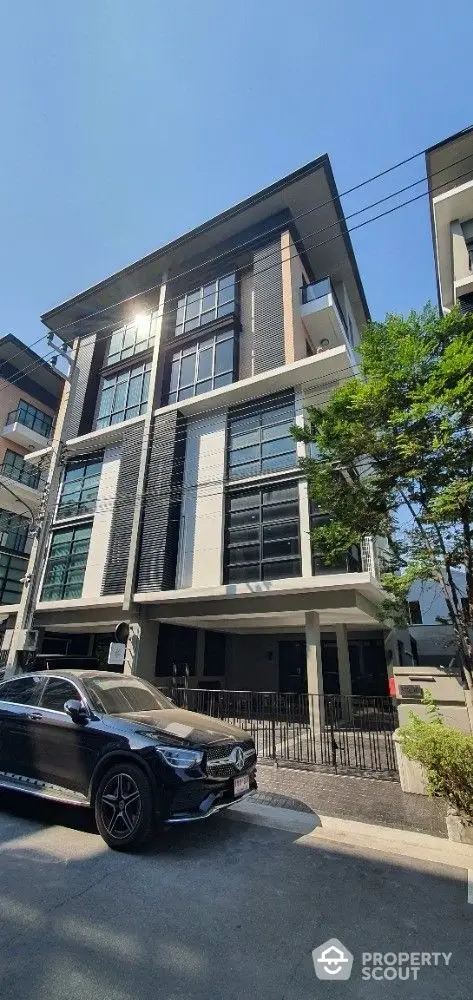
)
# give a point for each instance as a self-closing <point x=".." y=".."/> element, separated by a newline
<point x="332" y="960"/>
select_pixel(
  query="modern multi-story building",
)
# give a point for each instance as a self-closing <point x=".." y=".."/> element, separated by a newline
<point x="450" y="178"/>
<point x="181" y="506"/>
<point x="30" y="390"/>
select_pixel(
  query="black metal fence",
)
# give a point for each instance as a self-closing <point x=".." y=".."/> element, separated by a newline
<point x="345" y="734"/>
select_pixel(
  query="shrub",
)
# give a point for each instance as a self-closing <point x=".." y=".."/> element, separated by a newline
<point x="446" y="755"/>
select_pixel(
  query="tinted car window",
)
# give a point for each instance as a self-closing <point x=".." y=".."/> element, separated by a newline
<point x="22" y="690"/>
<point x="57" y="692"/>
<point x="117" y="696"/>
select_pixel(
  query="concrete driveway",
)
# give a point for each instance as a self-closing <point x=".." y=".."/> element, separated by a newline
<point x="224" y="909"/>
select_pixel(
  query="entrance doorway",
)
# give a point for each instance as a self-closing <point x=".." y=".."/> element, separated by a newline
<point x="293" y="667"/>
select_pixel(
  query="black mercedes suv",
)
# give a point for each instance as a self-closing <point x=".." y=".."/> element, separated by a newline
<point x="115" y="743"/>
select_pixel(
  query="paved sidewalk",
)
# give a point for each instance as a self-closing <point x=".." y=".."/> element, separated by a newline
<point x="361" y="799"/>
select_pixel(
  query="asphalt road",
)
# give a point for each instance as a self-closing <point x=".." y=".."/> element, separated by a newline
<point x="223" y="909"/>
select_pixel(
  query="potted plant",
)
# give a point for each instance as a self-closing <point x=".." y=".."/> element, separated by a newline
<point x="446" y="757"/>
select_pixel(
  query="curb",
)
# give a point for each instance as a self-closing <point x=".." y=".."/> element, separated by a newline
<point x="364" y="837"/>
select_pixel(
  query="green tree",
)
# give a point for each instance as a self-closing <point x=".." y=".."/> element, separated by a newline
<point x="393" y="457"/>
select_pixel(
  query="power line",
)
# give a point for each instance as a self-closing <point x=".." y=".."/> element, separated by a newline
<point x="276" y="400"/>
<point x="167" y="312"/>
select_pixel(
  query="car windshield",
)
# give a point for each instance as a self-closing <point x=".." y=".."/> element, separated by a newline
<point x="120" y="695"/>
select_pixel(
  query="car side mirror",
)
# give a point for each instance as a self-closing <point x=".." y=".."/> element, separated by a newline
<point x="77" y="710"/>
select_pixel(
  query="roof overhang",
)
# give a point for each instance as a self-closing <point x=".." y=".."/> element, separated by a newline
<point x="449" y="164"/>
<point x="16" y="357"/>
<point x="311" y="198"/>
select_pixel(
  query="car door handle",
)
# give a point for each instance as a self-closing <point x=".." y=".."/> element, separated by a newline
<point x="34" y="716"/>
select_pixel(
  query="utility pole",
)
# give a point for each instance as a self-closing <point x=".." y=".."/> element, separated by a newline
<point x="29" y="595"/>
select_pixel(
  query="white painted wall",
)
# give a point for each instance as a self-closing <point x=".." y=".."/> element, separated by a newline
<point x="200" y="555"/>
<point x="100" y="537"/>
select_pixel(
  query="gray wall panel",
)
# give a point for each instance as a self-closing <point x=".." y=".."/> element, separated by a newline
<point x="269" y="318"/>
<point x="160" y="526"/>
<point x="117" y="559"/>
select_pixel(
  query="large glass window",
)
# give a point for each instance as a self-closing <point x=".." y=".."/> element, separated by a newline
<point x="12" y="569"/>
<point x="205" y="304"/>
<point x="202" y="366"/>
<point x="80" y="486"/>
<point x="260" y="440"/>
<point x="31" y="417"/>
<point x="349" y="563"/>
<point x="131" y="339"/>
<point x="15" y="468"/>
<point x="13" y="531"/>
<point x="123" y="395"/>
<point x="262" y="534"/>
<point x="66" y="563"/>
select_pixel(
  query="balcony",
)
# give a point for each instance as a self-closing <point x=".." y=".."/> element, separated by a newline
<point x="14" y="470"/>
<point x="28" y="427"/>
<point x="323" y="317"/>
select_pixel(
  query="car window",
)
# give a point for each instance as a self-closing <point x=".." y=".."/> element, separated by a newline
<point x="119" y="695"/>
<point x="57" y="692"/>
<point x="22" y="690"/>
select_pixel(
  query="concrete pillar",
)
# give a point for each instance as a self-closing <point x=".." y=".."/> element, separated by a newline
<point x="315" y="681"/>
<point x="344" y="670"/>
<point x="140" y="654"/>
<point x="343" y="656"/>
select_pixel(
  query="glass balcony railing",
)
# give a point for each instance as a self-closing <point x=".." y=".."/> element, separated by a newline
<point x="28" y="416"/>
<point x="20" y="473"/>
<point x="318" y="290"/>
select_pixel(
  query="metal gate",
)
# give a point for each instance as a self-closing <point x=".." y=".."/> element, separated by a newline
<point x="339" y="733"/>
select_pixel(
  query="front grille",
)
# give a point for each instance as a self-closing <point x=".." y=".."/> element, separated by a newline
<point x="218" y="764"/>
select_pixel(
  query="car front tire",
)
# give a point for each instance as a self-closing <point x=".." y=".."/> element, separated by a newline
<point x="124" y="807"/>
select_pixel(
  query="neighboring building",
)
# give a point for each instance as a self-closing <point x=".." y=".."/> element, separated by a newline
<point x="450" y="177"/>
<point x="428" y="641"/>
<point x="449" y="167"/>
<point x="30" y="391"/>
<point x="182" y="508"/>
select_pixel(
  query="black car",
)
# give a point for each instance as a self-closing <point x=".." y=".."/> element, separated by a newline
<point x="115" y="743"/>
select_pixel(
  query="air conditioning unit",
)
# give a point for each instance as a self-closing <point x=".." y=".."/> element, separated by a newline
<point x="29" y="640"/>
<point x="7" y="638"/>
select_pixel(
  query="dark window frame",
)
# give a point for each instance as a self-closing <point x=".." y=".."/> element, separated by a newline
<point x="127" y="346"/>
<point x="201" y="304"/>
<point x="17" y="528"/>
<point x="258" y="458"/>
<point x="14" y="466"/>
<point x="260" y="529"/>
<point x="9" y="584"/>
<point x="113" y="382"/>
<point x="34" y="418"/>
<point x="215" y="379"/>
<point x="64" y="585"/>
<point x="67" y="508"/>
<point x="351" y="563"/>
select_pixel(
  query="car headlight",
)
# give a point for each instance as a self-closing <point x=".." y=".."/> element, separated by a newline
<point x="177" y="757"/>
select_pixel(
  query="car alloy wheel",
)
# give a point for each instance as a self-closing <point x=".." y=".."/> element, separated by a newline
<point x="121" y="806"/>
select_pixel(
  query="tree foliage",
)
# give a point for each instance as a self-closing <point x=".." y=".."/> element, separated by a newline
<point x="394" y="458"/>
<point x="446" y="754"/>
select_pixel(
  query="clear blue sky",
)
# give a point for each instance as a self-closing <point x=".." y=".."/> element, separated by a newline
<point x="127" y="122"/>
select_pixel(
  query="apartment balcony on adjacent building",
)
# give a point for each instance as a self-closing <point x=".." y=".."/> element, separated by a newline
<point x="28" y="426"/>
<point x="323" y="317"/>
<point x="15" y="473"/>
